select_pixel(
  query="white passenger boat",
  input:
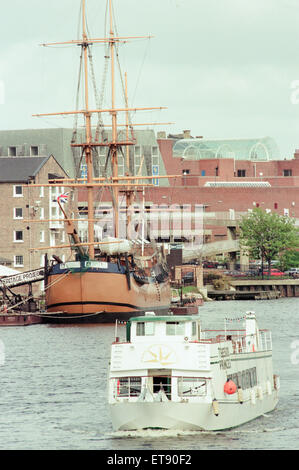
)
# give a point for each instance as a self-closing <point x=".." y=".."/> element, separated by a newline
<point x="171" y="374"/>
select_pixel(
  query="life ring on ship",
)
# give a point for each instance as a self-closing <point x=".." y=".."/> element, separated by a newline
<point x="230" y="387"/>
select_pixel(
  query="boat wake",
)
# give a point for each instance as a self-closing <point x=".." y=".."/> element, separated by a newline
<point x="157" y="433"/>
<point x="172" y="433"/>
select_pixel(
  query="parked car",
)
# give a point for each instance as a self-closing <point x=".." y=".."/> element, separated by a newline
<point x="188" y="278"/>
<point x="235" y="273"/>
<point x="294" y="272"/>
<point x="210" y="264"/>
<point x="273" y="272"/>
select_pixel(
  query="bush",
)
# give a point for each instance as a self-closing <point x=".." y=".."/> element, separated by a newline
<point x="218" y="280"/>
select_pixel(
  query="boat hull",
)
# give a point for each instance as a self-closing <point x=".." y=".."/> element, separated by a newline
<point x="19" y="319"/>
<point x="188" y="416"/>
<point x="101" y="296"/>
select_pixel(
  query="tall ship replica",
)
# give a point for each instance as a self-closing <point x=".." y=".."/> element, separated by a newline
<point x="118" y="276"/>
<point x="169" y="373"/>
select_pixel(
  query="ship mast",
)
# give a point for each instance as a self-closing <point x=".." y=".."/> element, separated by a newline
<point x="88" y="148"/>
<point x="113" y="147"/>
<point x="87" y="112"/>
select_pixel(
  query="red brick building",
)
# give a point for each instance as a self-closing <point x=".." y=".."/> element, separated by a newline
<point x="227" y="177"/>
<point x="236" y="183"/>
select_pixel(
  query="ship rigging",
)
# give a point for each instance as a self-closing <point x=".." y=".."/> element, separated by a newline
<point x="118" y="280"/>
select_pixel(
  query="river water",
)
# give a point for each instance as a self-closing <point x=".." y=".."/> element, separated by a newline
<point x="54" y="383"/>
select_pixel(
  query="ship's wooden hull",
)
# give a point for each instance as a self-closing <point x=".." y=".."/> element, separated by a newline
<point x="95" y="296"/>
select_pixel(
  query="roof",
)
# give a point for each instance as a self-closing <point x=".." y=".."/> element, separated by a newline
<point x="19" y="169"/>
<point x="166" y="318"/>
<point x="5" y="271"/>
<point x="257" y="149"/>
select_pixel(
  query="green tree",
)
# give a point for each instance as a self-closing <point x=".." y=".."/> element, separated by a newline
<point x="289" y="259"/>
<point x="267" y="234"/>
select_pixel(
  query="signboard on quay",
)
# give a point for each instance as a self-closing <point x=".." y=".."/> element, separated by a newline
<point x="23" y="278"/>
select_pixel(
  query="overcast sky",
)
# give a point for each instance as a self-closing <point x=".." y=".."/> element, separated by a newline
<point x="223" y="68"/>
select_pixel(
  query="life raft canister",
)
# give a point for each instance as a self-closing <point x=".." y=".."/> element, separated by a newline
<point x="230" y="387"/>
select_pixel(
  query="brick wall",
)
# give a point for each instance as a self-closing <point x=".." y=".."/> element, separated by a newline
<point x="32" y="202"/>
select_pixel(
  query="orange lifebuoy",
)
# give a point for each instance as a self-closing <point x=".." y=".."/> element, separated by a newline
<point x="230" y="387"/>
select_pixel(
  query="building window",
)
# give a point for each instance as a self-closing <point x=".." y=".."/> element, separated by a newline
<point x="203" y="172"/>
<point x="138" y="168"/>
<point x="18" y="213"/>
<point x="18" y="261"/>
<point x="34" y="151"/>
<point x="18" y="191"/>
<point x="12" y="151"/>
<point x="42" y="213"/>
<point x="155" y="165"/>
<point x="53" y="212"/>
<point x="287" y="172"/>
<point x="41" y="191"/>
<point x="155" y="151"/>
<point x="18" y="236"/>
<point x="186" y="172"/>
<point x="275" y="205"/>
<point x="241" y="173"/>
<point x="121" y="165"/>
<point x="42" y="236"/>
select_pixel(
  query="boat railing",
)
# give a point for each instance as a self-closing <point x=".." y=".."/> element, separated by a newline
<point x="240" y="341"/>
<point x="265" y="340"/>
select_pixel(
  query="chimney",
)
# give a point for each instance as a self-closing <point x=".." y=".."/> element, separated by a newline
<point x="187" y="134"/>
<point x="296" y="154"/>
<point x="161" y="135"/>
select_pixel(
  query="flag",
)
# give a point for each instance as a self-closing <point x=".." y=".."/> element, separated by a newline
<point x="63" y="197"/>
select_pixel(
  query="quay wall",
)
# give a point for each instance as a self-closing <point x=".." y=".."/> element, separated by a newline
<point x="287" y="287"/>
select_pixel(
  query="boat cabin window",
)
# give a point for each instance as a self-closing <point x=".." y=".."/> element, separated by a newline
<point x="245" y="379"/>
<point x="128" y="386"/>
<point x="145" y="329"/>
<point x="191" y="386"/>
<point x="175" y="328"/>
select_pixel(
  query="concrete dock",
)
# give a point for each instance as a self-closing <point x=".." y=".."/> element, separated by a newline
<point x="286" y="287"/>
